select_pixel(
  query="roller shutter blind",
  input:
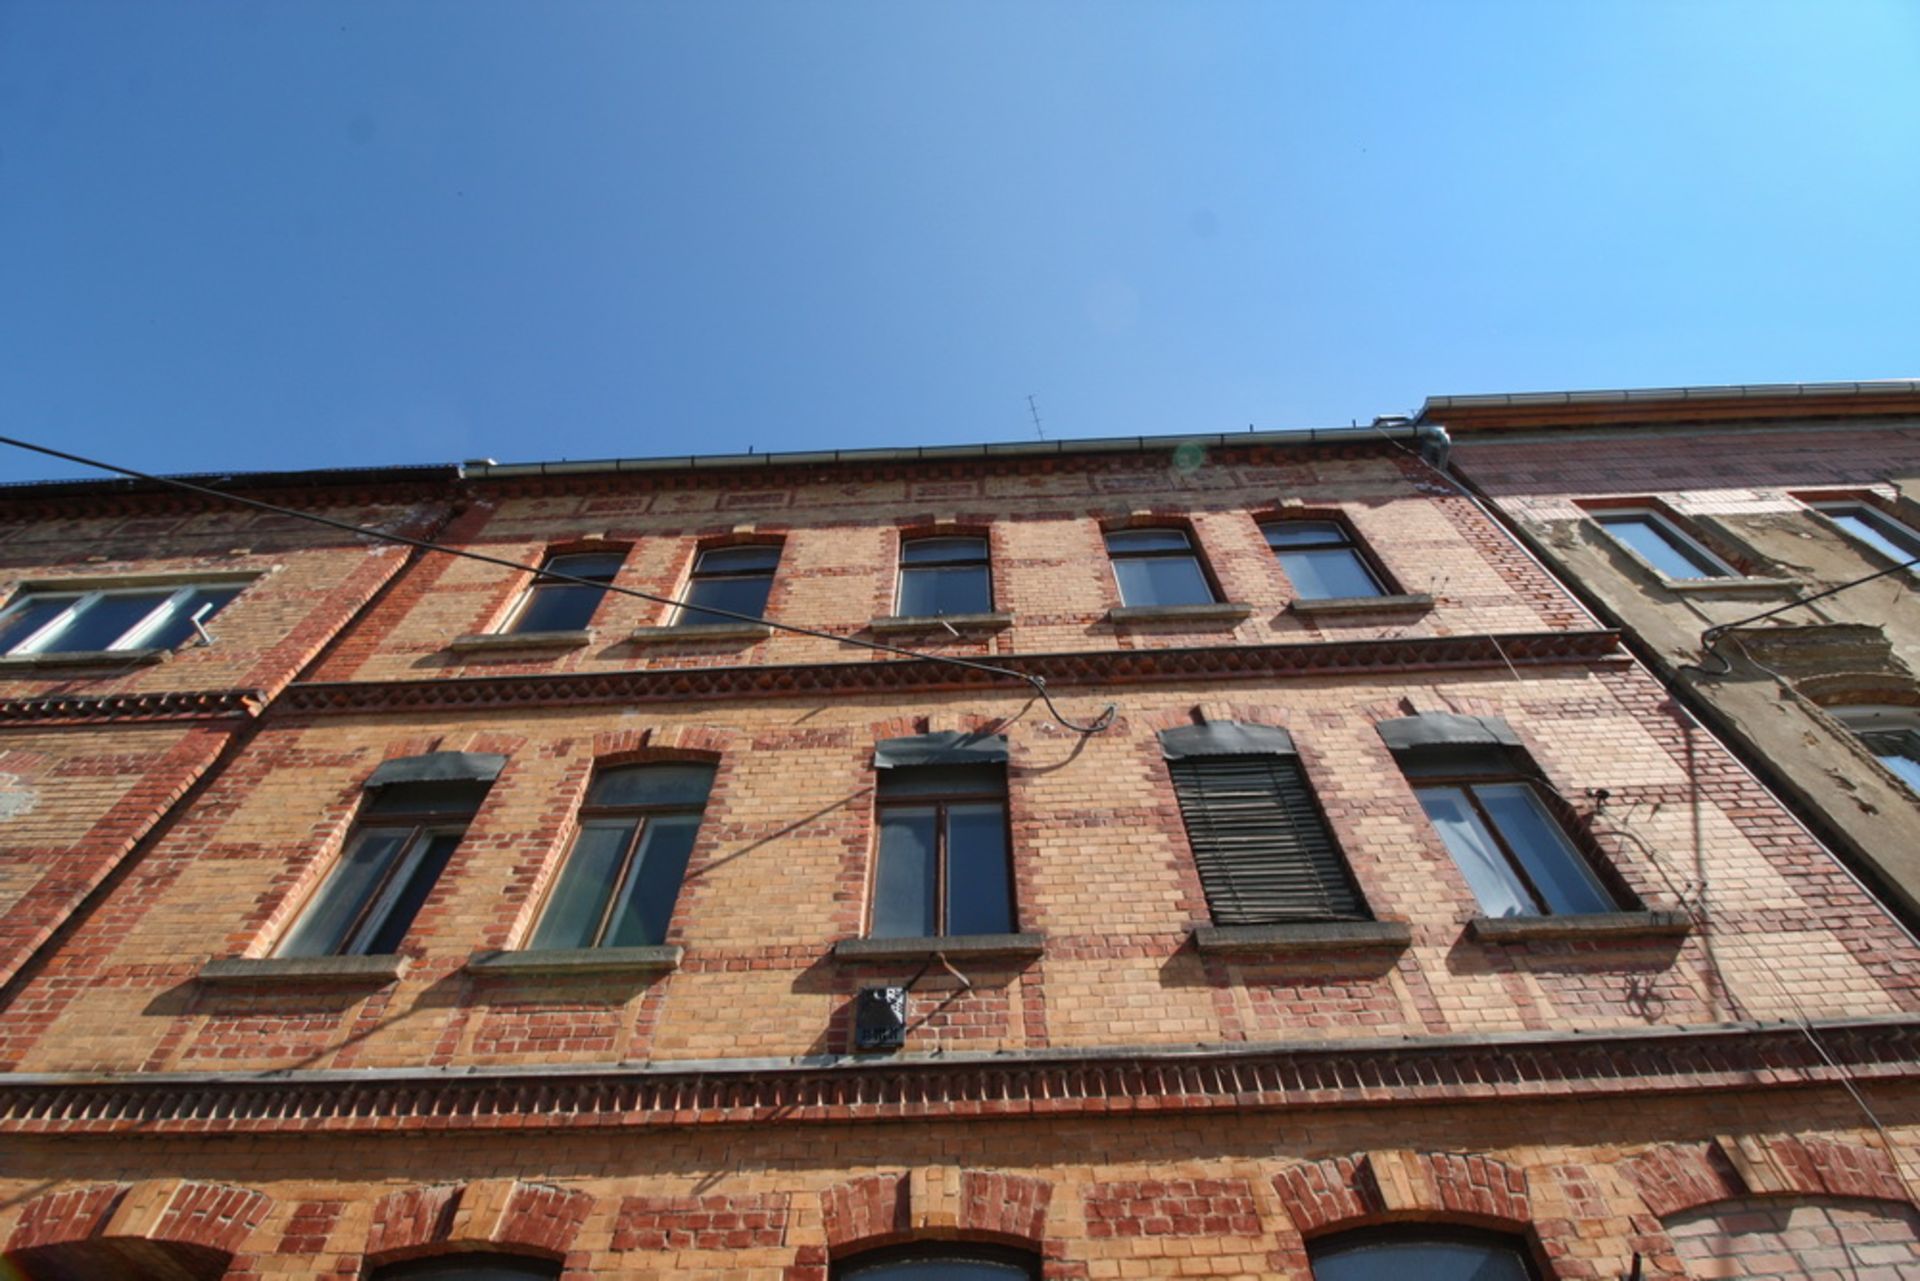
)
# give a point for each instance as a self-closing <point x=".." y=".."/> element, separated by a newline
<point x="1261" y="844"/>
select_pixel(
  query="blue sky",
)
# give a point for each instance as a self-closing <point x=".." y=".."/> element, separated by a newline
<point x="245" y="236"/>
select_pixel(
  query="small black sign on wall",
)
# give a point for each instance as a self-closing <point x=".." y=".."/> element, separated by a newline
<point x="880" y="1018"/>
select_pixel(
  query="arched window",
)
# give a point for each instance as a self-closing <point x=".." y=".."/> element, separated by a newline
<point x="469" y="1267"/>
<point x="946" y="1261"/>
<point x="1423" y="1251"/>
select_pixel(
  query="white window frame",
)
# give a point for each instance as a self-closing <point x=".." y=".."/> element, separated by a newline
<point x="1898" y="529"/>
<point x="1877" y="719"/>
<point x="37" y="641"/>
<point x="1655" y="516"/>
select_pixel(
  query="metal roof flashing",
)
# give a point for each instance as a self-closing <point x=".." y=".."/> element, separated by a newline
<point x="1525" y="411"/>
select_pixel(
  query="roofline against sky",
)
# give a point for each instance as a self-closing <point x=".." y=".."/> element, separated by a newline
<point x="1672" y="404"/>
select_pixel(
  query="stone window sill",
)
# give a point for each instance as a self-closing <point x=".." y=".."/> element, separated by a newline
<point x="86" y="658"/>
<point x="486" y="641"/>
<point x="1303" y="937"/>
<point x="1595" y="926"/>
<point x="1408" y="603"/>
<point x="578" y="960"/>
<point x="1220" y="612"/>
<point x="700" y="632"/>
<point x="1733" y="586"/>
<point x="952" y="945"/>
<point x="931" y="623"/>
<point x="343" y="970"/>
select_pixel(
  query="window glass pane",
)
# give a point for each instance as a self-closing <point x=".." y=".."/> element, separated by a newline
<point x="387" y="924"/>
<point x="1883" y="535"/>
<point x="737" y="560"/>
<point x="1550" y="859"/>
<point x="926" y="593"/>
<point x="1329" y="573"/>
<point x="646" y="906"/>
<point x="177" y="627"/>
<point x="469" y="1267"/>
<point x="1148" y="540"/>
<point x="353" y="881"/>
<point x="557" y="607"/>
<point x="741" y="595"/>
<point x="653" y="785"/>
<point x="1499" y="891"/>
<point x="1162" y="580"/>
<point x="1304" y="533"/>
<point x="597" y="565"/>
<point x="100" y="624"/>
<point x="1899" y="751"/>
<point x="904" y="883"/>
<point x="428" y="798"/>
<point x="32" y="614"/>
<point x="1660" y="547"/>
<point x="572" y="916"/>
<point x="1426" y="1260"/>
<point x="926" y="551"/>
<point x="979" y="891"/>
<point x="935" y="1270"/>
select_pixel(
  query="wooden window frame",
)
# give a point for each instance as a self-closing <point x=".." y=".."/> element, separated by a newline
<point x="940" y="801"/>
<point x="1384" y="584"/>
<point x="1554" y="808"/>
<point x="1192" y="553"/>
<point x="82" y="599"/>
<point x="984" y="560"/>
<point x="692" y="615"/>
<point x="1672" y="529"/>
<point x="511" y="623"/>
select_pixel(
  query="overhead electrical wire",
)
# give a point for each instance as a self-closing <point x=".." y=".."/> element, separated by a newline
<point x="1037" y="683"/>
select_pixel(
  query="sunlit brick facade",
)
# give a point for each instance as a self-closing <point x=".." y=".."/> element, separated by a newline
<point x="1114" y="1081"/>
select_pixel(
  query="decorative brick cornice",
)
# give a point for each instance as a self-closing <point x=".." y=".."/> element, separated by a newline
<point x="1135" y="1081"/>
<point x="190" y="705"/>
<point x="1093" y="667"/>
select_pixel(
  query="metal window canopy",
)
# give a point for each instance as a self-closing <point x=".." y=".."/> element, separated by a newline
<point x="947" y="748"/>
<point x="1225" y="738"/>
<point x="439" y="767"/>
<point x="1446" y="731"/>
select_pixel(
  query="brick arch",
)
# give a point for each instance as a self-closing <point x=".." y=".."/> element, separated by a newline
<point x="490" y="1214"/>
<point x="108" y="1231"/>
<point x="1676" y="1177"/>
<point x="1373" y="1187"/>
<point x="941" y="1203"/>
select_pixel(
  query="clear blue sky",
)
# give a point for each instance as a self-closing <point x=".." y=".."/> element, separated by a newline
<point x="257" y="235"/>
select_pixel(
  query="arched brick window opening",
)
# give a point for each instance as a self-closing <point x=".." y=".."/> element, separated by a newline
<point x="1791" y="1238"/>
<point x="939" y="1261"/>
<point x="127" y="1259"/>
<point x="1432" y="1252"/>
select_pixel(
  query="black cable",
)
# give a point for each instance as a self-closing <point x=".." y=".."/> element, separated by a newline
<point x="1711" y="637"/>
<point x="1037" y="683"/>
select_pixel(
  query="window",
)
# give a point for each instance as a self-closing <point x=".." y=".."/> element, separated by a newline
<point x="108" y="618"/>
<point x="736" y="579"/>
<point x="1660" y="543"/>
<point x="407" y="832"/>
<point x="1388" y="1254"/>
<point x="620" y="882"/>
<point x="1261" y="844"/>
<point x="470" y="1267"/>
<point x="1867" y="524"/>
<point x="942" y="865"/>
<point x="1892" y="734"/>
<point x="944" y="576"/>
<point x="1476" y="786"/>
<point x="1320" y="559"/>
<point x="948" y="1261"/>
<point x="1157" y="567"/>
<point x="553" y="605"/>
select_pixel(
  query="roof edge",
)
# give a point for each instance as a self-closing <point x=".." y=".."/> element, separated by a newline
<point x="1525" y="410"/>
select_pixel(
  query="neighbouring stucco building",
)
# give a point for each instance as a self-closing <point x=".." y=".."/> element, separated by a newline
<point x="1694" y="518"/>
<point x="503" y="923"/>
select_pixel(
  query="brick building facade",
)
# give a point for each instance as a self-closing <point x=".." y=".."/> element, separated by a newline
<point x="1324" y="947"/>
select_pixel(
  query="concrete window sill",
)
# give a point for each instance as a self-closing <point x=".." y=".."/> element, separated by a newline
<point x="1410" y="603"/>
<point x="952" y="945"/>
<point x="488" y="641"/>
<point x="700" y="632"/>
<point x="1220" y="612"/>
<point x="1594" y="926"/>
<point x="1734" y="586"/>
<point x="1303" y="937"/>
<point x="237" y="971"/>
<point x="85" y="658"/>
<point x="959" y="623"/>
<point x="578" y="960"/>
